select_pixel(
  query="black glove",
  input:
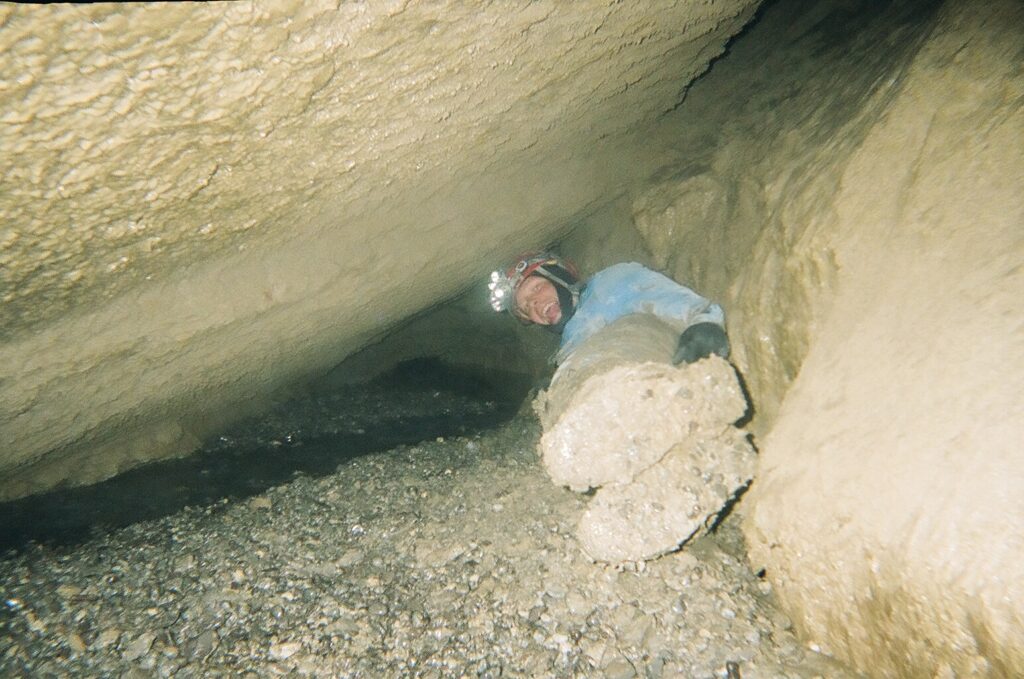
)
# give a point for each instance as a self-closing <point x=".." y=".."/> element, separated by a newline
<point x="700" y="341"/>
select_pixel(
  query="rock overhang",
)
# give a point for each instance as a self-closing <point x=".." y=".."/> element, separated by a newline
<point x="206" y="202"/>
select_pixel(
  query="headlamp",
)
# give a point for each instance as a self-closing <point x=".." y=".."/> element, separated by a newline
<point x="502" y="291"/>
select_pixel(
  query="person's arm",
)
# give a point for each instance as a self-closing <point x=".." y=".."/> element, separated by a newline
<point x="631" y="288"/>
<point x="704" y="321"/>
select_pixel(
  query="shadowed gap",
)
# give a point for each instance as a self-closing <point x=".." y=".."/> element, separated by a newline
<point x="418" y="400"/>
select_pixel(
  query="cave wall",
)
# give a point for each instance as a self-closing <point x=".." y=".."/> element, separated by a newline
<point x="206" y="202"/>
<point x="190" y="224"/>
<point x="854" y="192"/>
<point x="747" y="213"/>
<point x="891" y="484"/>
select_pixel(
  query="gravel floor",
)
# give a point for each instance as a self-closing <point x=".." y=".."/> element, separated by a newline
<point x="450" y="558"/>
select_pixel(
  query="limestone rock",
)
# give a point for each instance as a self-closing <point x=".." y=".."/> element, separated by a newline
<point x="670" y="503"/>
<point x="226" y="199"/>
<point x="623" y="421"/>
<point x="657" y="440"/>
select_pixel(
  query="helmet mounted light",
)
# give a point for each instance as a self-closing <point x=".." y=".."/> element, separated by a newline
<point x="503" y="284"/>
<point x="503" y="292"/>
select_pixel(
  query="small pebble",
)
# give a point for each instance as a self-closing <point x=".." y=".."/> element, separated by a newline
<point x="283" y="651"/>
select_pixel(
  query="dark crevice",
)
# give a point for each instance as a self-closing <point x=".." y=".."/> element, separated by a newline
<point x="419" y="400"/>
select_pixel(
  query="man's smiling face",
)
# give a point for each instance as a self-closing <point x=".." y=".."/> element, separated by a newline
<point x="537" y="301"/>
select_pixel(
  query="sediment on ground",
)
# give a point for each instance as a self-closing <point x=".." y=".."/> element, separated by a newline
<point x="454" y="557"/>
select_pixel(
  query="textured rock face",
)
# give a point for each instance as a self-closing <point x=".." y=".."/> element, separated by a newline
<point x="847" y="182"/>
<point x="205" y="202"/>
<point x="891" y="484"/>
<point x="622" y="421"/>
<point x="656" y="440"/>
<point x="583" y="395"/>
<point x="672" y="501"/>
<point x="876" y="314"/>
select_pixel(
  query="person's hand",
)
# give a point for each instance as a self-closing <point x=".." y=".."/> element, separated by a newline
<point x="700" y="341"/>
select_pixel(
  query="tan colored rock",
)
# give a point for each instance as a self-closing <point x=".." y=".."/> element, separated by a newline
<point x="856" y="205"/>
<point x="622" y="421"/>
<point x="632" y="340"/>
<point x="657" y="440"/>
<point x="671" y="210"/>
<point x="670" y="503"/>
<point x="205" y="203"/>
<point x="887" y="505"/>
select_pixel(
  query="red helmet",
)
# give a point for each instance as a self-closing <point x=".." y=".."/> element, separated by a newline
<point x="560" y="271"/>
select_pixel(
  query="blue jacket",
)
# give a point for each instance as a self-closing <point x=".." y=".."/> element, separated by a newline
<point x="631" y="288"/>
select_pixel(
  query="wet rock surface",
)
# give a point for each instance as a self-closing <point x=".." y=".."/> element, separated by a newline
<point x="672" y="502"/>
<point x="623" y="421"/>
<point x="657" y="440"/>
<point x="454" y="557"/>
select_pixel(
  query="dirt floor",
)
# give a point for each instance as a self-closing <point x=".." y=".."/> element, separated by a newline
<point x="447" y="558"/>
